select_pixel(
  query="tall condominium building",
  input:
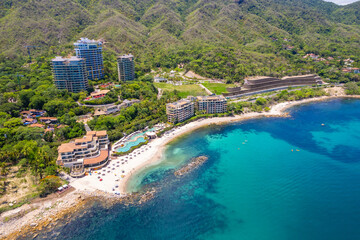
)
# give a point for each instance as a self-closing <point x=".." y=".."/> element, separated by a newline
<point x="126" y="67"/>
<point x="89" y="151"/>
<point x="91" y="51"/>
<point x="212" y="104"/>
<point x="179" y="111"/>
<point x="70" y="74"/>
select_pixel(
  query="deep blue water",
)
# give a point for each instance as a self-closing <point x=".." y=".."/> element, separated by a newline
<point x="267" y="179"/>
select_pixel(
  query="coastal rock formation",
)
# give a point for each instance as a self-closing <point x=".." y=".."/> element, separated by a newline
<point x="147" y="196"/>
<point x="78" y="203"/>
<point x="194" y="163"/>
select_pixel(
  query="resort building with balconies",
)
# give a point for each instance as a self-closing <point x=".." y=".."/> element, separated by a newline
<point x="126" y="67"/>
<point x="91" y="51"/>
<point x="211" y="104"/>
<point x="70" y="74"/>
<point x="87" y="152"/>
<point x="254" y="85"/>
<point x="180" y="111"/>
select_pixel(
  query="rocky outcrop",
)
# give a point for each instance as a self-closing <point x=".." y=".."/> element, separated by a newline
<point x="195" y="163"/>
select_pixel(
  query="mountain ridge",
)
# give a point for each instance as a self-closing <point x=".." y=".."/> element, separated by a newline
<point x="153" y="29"/>
<point x="34" y="18"/>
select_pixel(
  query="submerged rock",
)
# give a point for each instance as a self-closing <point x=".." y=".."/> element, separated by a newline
<point x="194" y="163"/>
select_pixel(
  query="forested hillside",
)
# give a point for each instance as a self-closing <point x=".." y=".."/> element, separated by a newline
<point x="221" y="39"/>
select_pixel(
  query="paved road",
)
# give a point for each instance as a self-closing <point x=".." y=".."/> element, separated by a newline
<point x="87" y="128"/>
<point x="160" y="92"/>
<point x="96" y="106"/>
<point x="253" y="99"/>
<point x="207" y="90"/>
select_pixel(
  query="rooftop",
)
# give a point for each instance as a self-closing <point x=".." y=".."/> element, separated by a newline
<point x="151" y="134"/>
<point x="35" y="110"/>
<point x="90" y="136"/>
<point x="179" y="103"/>
<point x="299" y="76"/>
<point x="101" y="133"/>
<point x="99" y="92"/>
<point x="214" y="97"/>
<point x="257" y="77"/>
<point x="87" y="41"/>
<point x="36" y="125"/>
<point x="86" y="138"/>
<point x="97" y="133"/>
<point x="49" y="129"/>
<point x="103" y="155"/>
<point x="29" y="119"/>
<point x="126" y="56"/>
<point x="67" y="147"/>
<point x="287" y="77"/>
<point x="48" y="118"/>
<point x="69" y="59"/>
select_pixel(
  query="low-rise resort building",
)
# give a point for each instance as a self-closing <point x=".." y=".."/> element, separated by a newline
<point x="263" y="84"/>
<point x="180" y="111"/>
<point x="87" y="152"/>
<point x="49" y="120"/>
<point x="97" y="95"/>
<point x="35" y="118"/>
<point x="211" y="104"/>
<point x="112" y="108"/>
<point x="32" y="113"/>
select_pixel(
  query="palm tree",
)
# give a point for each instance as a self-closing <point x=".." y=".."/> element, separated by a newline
<point x="41" y="160"/>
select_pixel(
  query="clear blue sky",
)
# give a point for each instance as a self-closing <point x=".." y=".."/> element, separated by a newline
<point x="341" y="2"/>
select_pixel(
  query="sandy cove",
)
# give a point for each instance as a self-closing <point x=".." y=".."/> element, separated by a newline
<point x="41" y="213"/>
<point x="151" y="154"/>
<point x="158" y="145"/>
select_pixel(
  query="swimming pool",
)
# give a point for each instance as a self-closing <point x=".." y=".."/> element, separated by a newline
<point x="128" y="145"/>
<point x="134" y="140"/>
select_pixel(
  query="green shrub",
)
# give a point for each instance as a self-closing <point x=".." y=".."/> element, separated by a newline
<point x="49" y="185"/>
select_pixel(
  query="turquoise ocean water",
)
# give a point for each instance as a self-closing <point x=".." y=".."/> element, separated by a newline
<point x="274" y="178"/>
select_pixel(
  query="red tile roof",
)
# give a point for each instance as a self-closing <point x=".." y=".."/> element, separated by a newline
<point x="103" y="155"/>
<point x="36" y="125"/>
<point x="29" y="119"/>
<point x="48" y="118"/>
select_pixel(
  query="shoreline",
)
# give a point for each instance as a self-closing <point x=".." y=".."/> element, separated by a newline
<point x="180" y="132"/>
<point x="277" y="110"/>
<point x="46" y="213"/>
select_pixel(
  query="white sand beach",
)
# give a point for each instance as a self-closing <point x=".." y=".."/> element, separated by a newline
<point x="153" y="151"/>
<point x="116" y="174"/>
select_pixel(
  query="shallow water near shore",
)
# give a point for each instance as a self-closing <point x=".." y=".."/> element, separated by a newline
<point x="272" y="178"/>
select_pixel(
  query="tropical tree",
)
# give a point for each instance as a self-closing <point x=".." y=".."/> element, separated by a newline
<point x="4" y="170"/>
